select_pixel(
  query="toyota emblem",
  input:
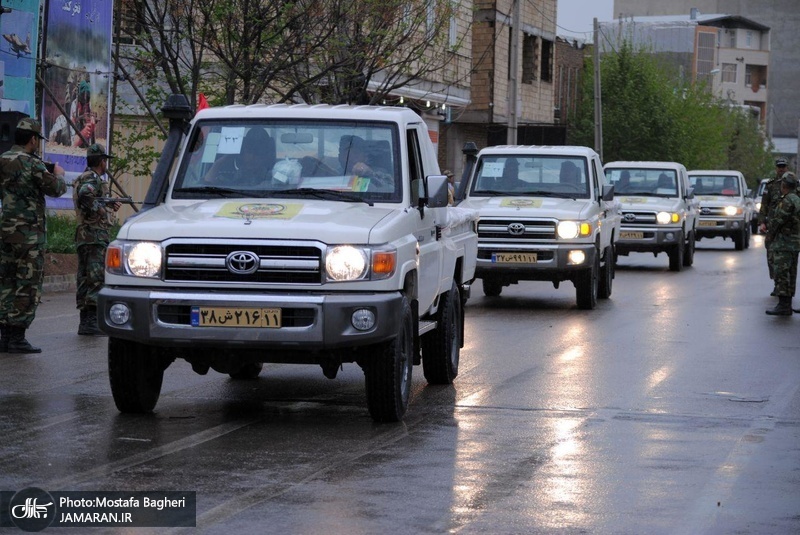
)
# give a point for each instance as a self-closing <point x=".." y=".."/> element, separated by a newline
<point x="516" y="229"/>
<point x="242" y="262"/>
<point x="705" y="210"/>
<point x="630" y="217"/>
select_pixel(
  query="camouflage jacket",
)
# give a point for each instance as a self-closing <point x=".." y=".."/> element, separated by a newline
<point x="93" y="218"/>
<point x="24" y="181"/>
<point x="784" y="224"/>
<point x="769" y="199"/>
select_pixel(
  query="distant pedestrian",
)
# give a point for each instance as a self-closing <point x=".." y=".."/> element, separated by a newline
<point x="451" y="186"/>
<point x="24" y="182"/>
<point x="92" y="235"/>
<point x="769" y="200"/>
<point x="784" y="233"/>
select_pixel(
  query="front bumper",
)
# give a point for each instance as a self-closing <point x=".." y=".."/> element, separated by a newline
<point x="310" y="321"/>
<point x="552" y="261"/>
<point x="712" y="227"/>
<point x="647" y="239"/>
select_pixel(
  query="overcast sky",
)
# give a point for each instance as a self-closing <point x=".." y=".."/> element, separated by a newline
<point x="575" y="16"/>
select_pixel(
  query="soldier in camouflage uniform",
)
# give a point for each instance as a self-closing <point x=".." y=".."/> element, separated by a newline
<point x="769" y="200"/>
<point x="92" y="235"/>
<point x="24" y="181"/>
<point x="784" y="233"/>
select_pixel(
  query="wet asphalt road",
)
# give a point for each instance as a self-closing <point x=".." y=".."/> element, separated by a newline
<point x="673" y="408"/>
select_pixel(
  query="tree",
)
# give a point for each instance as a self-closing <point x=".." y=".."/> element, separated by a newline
<point x="651" y="113"/>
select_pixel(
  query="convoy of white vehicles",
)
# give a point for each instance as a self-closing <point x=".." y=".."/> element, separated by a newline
<point x="659" y="211"/>
<point x="323" y="235"/>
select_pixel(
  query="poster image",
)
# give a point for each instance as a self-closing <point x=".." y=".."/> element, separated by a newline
<point x="18" y="54"/>
<point x="78" y="79"/>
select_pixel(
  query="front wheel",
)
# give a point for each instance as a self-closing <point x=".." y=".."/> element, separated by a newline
<point x="492" y="287"/>
<point x="688" y="253"/>
<point x="441" y="348"/>
<point x="587" y="285"/>
<point x="135" y="372"/>
<point x="606" y="274"/>
<point x="676" y="256"/>
<point x="387" y="374"/>
<point x="247" y="372"/>
<point x="739" y="239"/>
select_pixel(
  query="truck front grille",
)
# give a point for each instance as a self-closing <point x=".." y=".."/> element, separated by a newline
<point x="638" y="218"/>
<point x="712" y="211"/>
<point x="278" y="263"/>
<point x="516" y="230"/>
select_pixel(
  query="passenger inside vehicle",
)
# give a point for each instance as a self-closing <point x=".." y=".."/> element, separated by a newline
<point x="624" y="182"/>
<point x="729" y="186"/>
<point x="569" y="174"/>
<point x="510" y="181"/>
<point x="665" y="185"/>
<point x="251" y="167"/>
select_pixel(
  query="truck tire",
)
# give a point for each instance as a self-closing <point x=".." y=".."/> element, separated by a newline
<point x="676" y="256"/>
<point x="492" y="287"/>
<point x="441" y="348"/>
<point x="747" y="235"/>
<point x="606" y="274"/>
<point x="135" y="372"/>
<point x="754" y="226"/>
<point x="587" y="285"/>
<point x="688" y="252"/>
<point x="388" y="374"/>
<point x="249" y="371"/>
<point x="738" y="240"/>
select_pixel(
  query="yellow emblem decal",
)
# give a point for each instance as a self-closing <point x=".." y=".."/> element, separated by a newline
<point x="249" y="211"/>
<point x="521" y="202"/>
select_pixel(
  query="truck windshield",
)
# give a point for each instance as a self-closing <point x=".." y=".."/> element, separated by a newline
<point x="273" y="158"/>
<point x="528" y="174"/>
<point x="715" y="185"/>
<point x="646" y="182"/>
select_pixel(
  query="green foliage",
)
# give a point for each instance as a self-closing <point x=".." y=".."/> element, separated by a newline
<point x="61" y="233"/>
<point x="649" y="113"/>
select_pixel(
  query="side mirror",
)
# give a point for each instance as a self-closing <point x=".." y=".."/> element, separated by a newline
<point x="690" y="193"/>
<point x="608" y="193"/>
<point x="435" y="191"/>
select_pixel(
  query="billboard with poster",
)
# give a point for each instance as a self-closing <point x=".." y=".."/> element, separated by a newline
<point x="18" y="52"/>
<point x="78" y="78"/>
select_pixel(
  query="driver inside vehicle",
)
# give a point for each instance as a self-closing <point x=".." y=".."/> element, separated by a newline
<point x="251" y="167"/>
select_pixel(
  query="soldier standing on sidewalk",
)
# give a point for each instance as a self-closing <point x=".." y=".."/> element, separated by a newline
<point x="24" y="182"/>
<point x="92" y="235"/>
<point x="769" y="200"/>
<point x="784" y="233"/>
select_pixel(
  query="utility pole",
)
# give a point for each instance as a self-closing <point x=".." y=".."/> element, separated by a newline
<point x="598" y="104"/>
<point x="513" y="90"/>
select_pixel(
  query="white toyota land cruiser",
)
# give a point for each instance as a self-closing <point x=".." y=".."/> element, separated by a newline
<point x="546" y="214"/>
<point x="659" y="212"/>
<point x="291" y="234"/>
<point x="726" y="207"/>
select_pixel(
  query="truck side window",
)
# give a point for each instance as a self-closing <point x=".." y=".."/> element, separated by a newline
<point x="414" y="166"/>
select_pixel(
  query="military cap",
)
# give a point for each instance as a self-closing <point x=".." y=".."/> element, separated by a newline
<point x="789" y="179"/>
<point x="96" y="149"/>
<point x="30" y="124"/>
<point x="781" y="162"/>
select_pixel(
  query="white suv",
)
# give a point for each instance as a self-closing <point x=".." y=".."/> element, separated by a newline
<point x="546" y="214"/>
<point x="659" y="212"/>
<point x="725" y="210"/>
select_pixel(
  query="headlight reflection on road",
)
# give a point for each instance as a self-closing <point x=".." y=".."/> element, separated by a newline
<point x="566" y="471"/>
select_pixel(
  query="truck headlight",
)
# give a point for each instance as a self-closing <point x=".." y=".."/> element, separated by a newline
<point x="351" y="263"/>
<point x="140" y="259"/>
<point x="665" y="218"/>
<point x="568" y="230"/>
<point x="732" y="210"/>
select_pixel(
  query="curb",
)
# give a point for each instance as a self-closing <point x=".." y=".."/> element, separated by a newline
<point x="59" y="283"/>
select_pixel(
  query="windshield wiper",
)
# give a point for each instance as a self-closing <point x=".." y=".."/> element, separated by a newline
<point x="325" y="194"/>
<point x="216" y="190"/>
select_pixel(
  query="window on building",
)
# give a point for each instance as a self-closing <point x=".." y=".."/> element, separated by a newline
<point x="732" y="36"/>
<point x="129" y="24"/>
<point x="529" y="43"/>
<point x="705" y="53"/>
<point x="547" y="61"/>
<point x="452" y="37"/>
<point x="729" y="72"/>
<point x="430" y="18"/>
<point x="748" y="39"/>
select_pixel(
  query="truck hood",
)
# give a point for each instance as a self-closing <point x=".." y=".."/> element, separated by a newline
<point x="297" y="219"/>
<point x="719" y="200"/>
<point x="549" y="207"/>
<point x="655" y="204"/>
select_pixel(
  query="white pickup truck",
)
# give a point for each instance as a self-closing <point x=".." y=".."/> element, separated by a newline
<point x="291" y="234"/>
<point x="726" y="206"/>
<point x="546" y="214"/>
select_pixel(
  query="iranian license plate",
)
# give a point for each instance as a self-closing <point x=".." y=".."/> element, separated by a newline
<point x="706" y="223"/>
<point x="631" y="235"/>
<point x="269" y="318"/>
<point x="514" y="258"/>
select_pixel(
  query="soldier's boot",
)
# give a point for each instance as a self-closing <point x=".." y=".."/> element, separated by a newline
<point x="783" y="308"/>
<point x="17" y="342"/>
<point x="89" y="326"/>
<point x="82" y="324"/>
<point x="4" y="338"/>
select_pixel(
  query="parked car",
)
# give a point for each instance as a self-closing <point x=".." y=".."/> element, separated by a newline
<point x="724" y="209"/>
<point x="659" y="212"/>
